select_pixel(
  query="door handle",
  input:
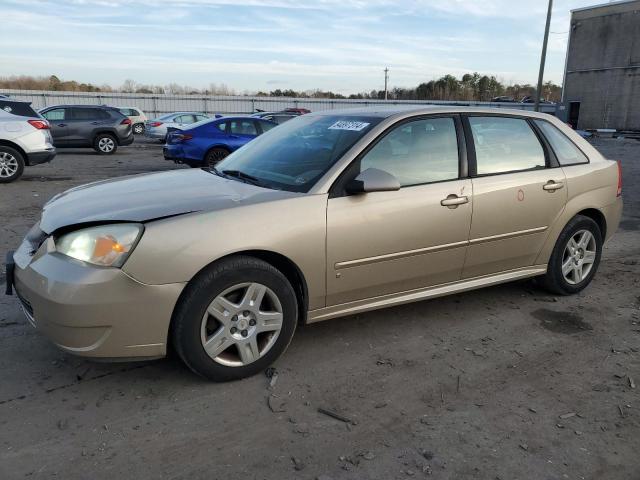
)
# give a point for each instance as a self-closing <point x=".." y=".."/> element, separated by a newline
<point x="62" y="124"/>
<point x="95" y="123"/>
<point x="552" y="186"/>
<point x="452" y="201"/>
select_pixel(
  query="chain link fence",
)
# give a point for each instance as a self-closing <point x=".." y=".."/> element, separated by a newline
<point x="155" y="105"/>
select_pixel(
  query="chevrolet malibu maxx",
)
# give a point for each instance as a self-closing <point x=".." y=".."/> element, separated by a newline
<point x="330" y="214"/>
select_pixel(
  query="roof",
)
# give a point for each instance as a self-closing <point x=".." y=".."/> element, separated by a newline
<point x="605" y="5"/>
<point x="392" y="110"/>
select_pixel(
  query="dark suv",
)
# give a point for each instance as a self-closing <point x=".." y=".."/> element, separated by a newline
<point x="100" y="127"/>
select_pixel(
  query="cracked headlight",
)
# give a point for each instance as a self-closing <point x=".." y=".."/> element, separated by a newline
<point x="104" y="245"/>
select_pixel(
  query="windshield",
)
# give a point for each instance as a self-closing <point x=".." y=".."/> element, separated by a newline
<point x="295" y="155"/>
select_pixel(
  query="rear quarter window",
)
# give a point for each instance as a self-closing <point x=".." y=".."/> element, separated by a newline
<point x="566" y="151"/>
<point x="21" y="109"/>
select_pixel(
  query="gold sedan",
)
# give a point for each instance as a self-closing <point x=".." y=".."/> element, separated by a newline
<point x="330" y="214"/>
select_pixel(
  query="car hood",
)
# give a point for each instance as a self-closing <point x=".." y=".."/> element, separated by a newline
<point x="146" y="197"/>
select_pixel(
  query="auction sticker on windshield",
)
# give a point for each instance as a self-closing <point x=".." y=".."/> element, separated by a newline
<point x="349" y="125"/>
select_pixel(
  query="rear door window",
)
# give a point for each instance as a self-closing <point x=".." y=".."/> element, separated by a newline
<point x="243" y="127"/>
<point x="88" y="114"/>
<point x="505" y="144"/>
<point x="199" y="118"/>
<point x="55" y="114"/>
<point x="185" y="119"/>
<point x="566" y="151"/>
<point x="266" y="126"/>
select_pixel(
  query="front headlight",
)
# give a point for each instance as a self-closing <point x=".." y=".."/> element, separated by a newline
<point x="104" y="245"/>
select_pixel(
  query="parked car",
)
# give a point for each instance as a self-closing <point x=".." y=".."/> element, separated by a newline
<point x="503" y="99"/>
<point x="206" y="143"/>
<point x="157" y="128"/>
<point x="532" y="99"/>
<point x="101" y="127"/>
<point x="24" y="139"/>
<point x="276" y="117"/>
<point x="137" y="117"/>
<point x="333" y="213"/>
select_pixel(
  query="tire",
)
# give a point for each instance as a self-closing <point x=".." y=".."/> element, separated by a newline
<point x="222" y="344"/>
<point x="11" y="164"/>
<point x="572" y="267"/>
<point x="105" y="144"/>
<point x="138" y="128"/>
<point x="215" y="156"/>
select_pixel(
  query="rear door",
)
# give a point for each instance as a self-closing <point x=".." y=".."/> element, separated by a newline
<point x="85" y="121"/>
<point x="241" y="131"/>
<point x="518" y="193"/>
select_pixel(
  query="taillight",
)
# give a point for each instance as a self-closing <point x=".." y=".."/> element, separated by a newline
<point x="181" y="137"/>
<point x="126" y="121"/>
<point x="155" y="124"/>
<point x="619" y="193"/>
<point x="39" y="124"/>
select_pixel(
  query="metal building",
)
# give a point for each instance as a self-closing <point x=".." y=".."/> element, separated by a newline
<point x="602" y="71"/>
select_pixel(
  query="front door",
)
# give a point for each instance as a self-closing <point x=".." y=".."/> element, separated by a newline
<point x="59" y="122"/>
<point x="517" y="197"/>
<point x="388" y="242"/>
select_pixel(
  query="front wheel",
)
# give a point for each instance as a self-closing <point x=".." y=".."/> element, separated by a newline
<point x="575" y="257"/>
<point x="235" y="319"/>
<point x="138" y="128"/>
<point x="11" y="164"/>
<point x="105" y="144"/>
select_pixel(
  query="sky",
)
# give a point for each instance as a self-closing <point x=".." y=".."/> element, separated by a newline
<point x="253" y="45"/>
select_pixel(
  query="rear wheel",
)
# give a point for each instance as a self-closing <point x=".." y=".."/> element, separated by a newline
<point x="105" y="144"/>
<point x="235" y="319"/>
<point x="215" y="155"/>
<point x="138" y="128"/>
<point x="575" y="257"/>
<point x="11" y="164"/>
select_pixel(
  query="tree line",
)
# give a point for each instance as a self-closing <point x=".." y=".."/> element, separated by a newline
<point x="470" y="87"/>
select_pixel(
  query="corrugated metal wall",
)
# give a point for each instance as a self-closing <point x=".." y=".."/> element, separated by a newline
<point x="154" y="105"/>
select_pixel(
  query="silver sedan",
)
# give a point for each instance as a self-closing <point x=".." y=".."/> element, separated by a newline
<point x="157" y="128"/>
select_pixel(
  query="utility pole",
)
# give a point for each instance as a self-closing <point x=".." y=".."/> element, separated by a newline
<point x="386" y="81"/>
<point x="543" y="57"/>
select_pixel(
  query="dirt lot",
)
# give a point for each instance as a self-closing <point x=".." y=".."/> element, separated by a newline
<point x="502" y="383"/>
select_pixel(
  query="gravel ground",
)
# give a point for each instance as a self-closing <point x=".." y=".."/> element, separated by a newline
<point x="502" y="383"/>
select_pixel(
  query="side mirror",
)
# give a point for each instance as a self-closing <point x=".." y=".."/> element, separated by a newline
<point x="373" y="180"/>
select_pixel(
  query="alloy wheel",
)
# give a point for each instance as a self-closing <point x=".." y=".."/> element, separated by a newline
<point x="579" y="257"/>
<point x="106" y="144"/>
<point x="8" y="165"/>
<point x="241" y="324"/>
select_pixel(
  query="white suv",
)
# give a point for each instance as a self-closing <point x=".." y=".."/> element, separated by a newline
<point x="24" y="139"/>
<point x="137" y="117"/>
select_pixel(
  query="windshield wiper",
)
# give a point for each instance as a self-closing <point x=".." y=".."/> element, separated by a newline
<point x="243" y="176"/>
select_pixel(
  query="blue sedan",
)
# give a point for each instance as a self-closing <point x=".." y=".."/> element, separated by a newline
<point x="205" y="143"/>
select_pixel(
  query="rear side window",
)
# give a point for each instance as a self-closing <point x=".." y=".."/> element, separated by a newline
<point x="21" y="109"/>
<point x="221" y="126"/>
<point x="565" y="150"/>
<point x="89" y="114"/>
<point x="184" y="119"/>
<point x="422" y="151"/>
<point x="505" y="145"/>
<point x="243" y="127"/>
<point x="55" y="114"/>
<point x="266" y="126"/>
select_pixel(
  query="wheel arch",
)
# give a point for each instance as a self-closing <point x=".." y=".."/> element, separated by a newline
<point x="17" y="147"/>
<point x="591" y="212"/>
<point x="217" y="145"/>
<point x="282" y="263"/>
